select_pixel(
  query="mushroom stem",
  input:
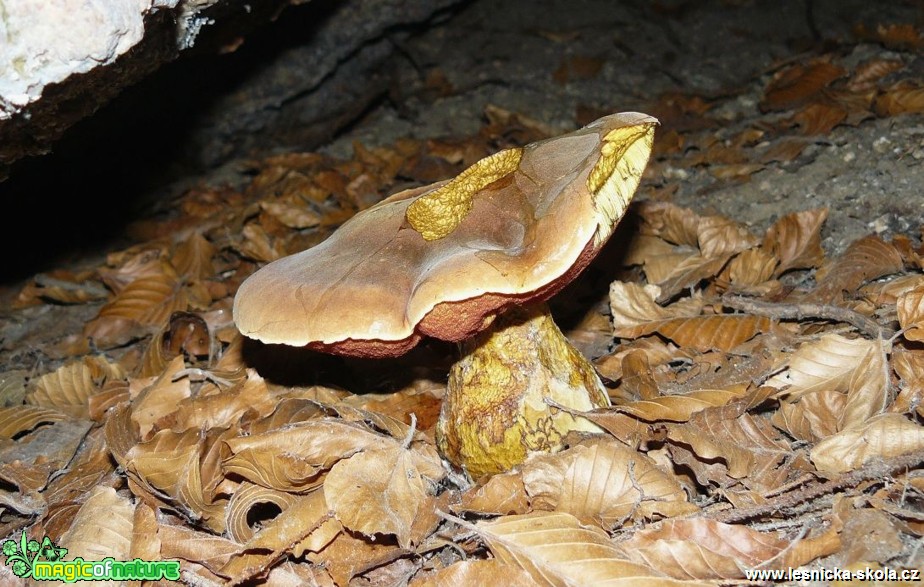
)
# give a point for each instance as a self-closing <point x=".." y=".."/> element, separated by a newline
<point x="494" y="413"/>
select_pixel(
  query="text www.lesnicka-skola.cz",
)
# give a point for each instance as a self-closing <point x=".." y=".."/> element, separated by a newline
<point x="833" y="574"/>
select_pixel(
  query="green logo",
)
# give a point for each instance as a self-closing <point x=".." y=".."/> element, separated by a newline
<point x="42" y="561"/>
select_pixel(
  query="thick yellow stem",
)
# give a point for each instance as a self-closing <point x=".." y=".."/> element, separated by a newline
<point x="494" y="413"/>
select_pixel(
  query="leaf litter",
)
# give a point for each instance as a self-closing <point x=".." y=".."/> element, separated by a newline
<point x="768" y="400"/>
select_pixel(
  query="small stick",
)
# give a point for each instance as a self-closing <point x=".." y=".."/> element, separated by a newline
<point x="875" y="470"/>
<point x="802" y="310"/>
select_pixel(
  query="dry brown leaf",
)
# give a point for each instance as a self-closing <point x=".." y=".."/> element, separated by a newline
<point x="798" y="84"/>
<point x="291" y="213"/>
<point x="718" y="236"/>
<point x="250" y="395"/>
<point x="141" y="307"/>
<point x="700" y="548"/>
<point x="290" y="458"/>
<point x="880" y="437"/>
<point x="70" y="386"/>
<point x="795" y="239"/>
<point x="304" y="516"/>
<point x="909" y="366"/>
<point x="18" y="419"/>
<point x="606" y="484"/>
<point x="688" y="273"/>
<point x="424" y="403"/>
<point x="192" y="258"/>
<point x="869" y="72"/>
<point x="819" y="118"/>
<point x="670" y="222"/>
<point x="159" y="398"/>
<point x="476" y="572"/>
<point x="195" y="546"/>
<point x="750" y="268"/>
<point x="253" y="505"/>
<point x="383" y="491"/>
<point x="347" y="556"/>
<point x="865" y="259"/>
<point x="182" y="468"/>
<point x="784" y="150"/>
<point x="635" y="312"/>
<point x="679" y="408"/>
<point x="910" y="307"/>
<point x="901" y="98"/>
<point x="813" y="417"/>
<point x="555" y="549"/>
<point x="856" y="366"/>
<point x="501" y="494"/>
<point x="102" y="528"/>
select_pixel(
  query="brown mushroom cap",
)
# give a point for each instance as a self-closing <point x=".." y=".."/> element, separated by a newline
<point x="515" y="227"/>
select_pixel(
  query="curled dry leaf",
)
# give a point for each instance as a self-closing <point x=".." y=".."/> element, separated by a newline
<point x="865" y="259"/>
<point x="679" y="408"/>
<point x="813" y="417"/>
<point x="606" y="484"/>
<point x="903" y="97"/>
<point x="501" y="494"/>
<point x="699" y="548"/>
<point x="253" y="505"/>
<point x="881" y="437"/>
<point x="18" y="419"/>
<point x="676" y="225"/>
<point x="636" y="313"/>
<point x="555" y="549"/>
<point x="910" y="307"/>
<point x="909" y="366"/>
<point x="69" y="387"/>
<point x="304" y="516"/>
<point x="159" y="398"/>
<point x="799" y="83"/>
<point x="856" y="366"/>
<point x="291" y="458"/>
<point x="249" y="395"/>
<point x="383" y="491"/>
<point x="795" y="239"/>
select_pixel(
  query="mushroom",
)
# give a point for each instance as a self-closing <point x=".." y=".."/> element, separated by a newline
<point x="470" y="260"/>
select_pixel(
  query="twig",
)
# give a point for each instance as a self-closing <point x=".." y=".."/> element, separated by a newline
<point x="875" y="470"/>
<point x="803" y="310"/>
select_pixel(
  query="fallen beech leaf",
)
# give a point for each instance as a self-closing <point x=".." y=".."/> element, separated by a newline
<point x="718" y="236"/>
<point x="18" y="419"/>
<point x="688" y="273"/>
<point x="102" y="527"/>
<point x="750" y="268"/>
<point x="193" y="258"/>
<point x="813" y="417"/>
<point x="248" y="507"/>
<point x="856" y="366"/>
<point x="476" y="572"/>
<point x="910" y="307"/>
<point x="678" y="408"/>
<point x="501" y="494"/>
<point x="819" y="118"/>
<point x="869" y="72"/>
<point x="250" y="395"/>
<point x="795" y="239"/>
<point x="670" y="222"/>
<point x="635" y="312"/>
<point x="182" y="467"/>
<point x="348" y="555"/>
<point x="555" y="549"/>
<point x="909" y="366"/>
<point x="901" y="98"/>
<point x="159" y="398"/>
<point x="69" y="388"/>
<point x="140" y="308"/>
<point x="303" y="516"/>
<point x="291" y="458"/>
<point x="291" y="213"/>
<point x="606" y="484"/>
<point x="881" y="437"/>
<point x="865" y="259"/>
<point x="382" y="491"/>
<point x="784" y="150"/>
<point x="700" y="548"/>
<point x="798" y="84"/>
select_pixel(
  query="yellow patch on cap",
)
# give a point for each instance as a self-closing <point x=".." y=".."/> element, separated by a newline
<point x="438" y="213"/>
